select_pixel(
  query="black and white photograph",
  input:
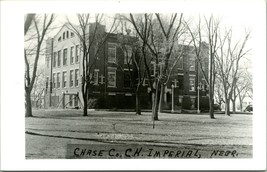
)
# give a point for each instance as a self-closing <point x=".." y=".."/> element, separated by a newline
<point x="143" y="85"/>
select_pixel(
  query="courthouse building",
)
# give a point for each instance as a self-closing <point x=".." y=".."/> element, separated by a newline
<point x="111" y="86"/>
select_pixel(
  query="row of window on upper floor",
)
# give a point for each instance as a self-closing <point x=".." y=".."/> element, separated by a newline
<point x="97" y="79"/>
<point x="74" y="54"/>
<point x="112" y="53"/>
<point x="59" y="81"/>
<point x="65" y="35"/>
<point x="112" y="57"/>
<point x="191" y="67"/>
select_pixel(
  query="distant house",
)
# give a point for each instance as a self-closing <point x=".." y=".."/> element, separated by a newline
<point x="111" y="86"/>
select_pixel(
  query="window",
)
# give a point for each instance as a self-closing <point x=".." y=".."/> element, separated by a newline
<point x="181" y="63"/>
<point x="191" y="63"/>
<point x="127" y="79"/>
<point x="111" y="52"/>
<point x="71" y="78"/>
<point x="192" y="83"/>
<point x="76" y="77"/>
<point x="64" y="79"/>
<point x="54" y="80"/>
<point x="63" y="35"/>
<point x="111" y="77"/>
<point x="67" y="34"/>
<point x="96" y="76"/>
<point x="128" y="54"/>
<point x="77" y="53"/>
<point x="55" y="60"/>
<point x="58" y="58"/>
<point x="59" y="39"/>
<point x="71" y="34"/>
<point x="65" y="53"/>
<point x="71" y="100"/>
<point x="58" y="80"/>
<point x="71" y="55"/>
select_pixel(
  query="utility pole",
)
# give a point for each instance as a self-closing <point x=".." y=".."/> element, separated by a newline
<point x="199" y="87"/>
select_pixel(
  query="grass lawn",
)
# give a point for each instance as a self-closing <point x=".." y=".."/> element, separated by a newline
<point x="50" y="132"/>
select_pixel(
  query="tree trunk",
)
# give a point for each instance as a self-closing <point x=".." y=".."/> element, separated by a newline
<point x="161" y="98"/>
<point x="211" y="102"/>
<point x="137" y="104"/>
<point x="28" y="105"/>
<point x="85" y="101"/>
<point x="156" y="104"/>
<point x="227" y="107"/>
<point x="241" y="103"/>
<point x="233" y="104"/>
<point x="85" y="105"/>
<point x="211" y="108"/>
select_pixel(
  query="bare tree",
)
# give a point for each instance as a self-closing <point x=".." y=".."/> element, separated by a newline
<point x="41" y="24"/>
<point x="244" y="87"/>
<point x="218" y="92"/>
<point x="159" y="37"/>
<point x="28" y="22"/>
<point x="228" y="59"/>
<point x="209" y="31"/>
<point x="142" y="26"/>
<point x="38" y="87"/>
<point x="133" y="61"/>
<point x="91" y="40"/>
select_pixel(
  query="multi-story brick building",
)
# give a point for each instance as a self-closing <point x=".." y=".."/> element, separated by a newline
<point x="111" y="86"/>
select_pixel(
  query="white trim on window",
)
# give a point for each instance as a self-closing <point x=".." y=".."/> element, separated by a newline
<point x="191" y="63"/>
<point x="72" y="55"/>
<point x="127" y="69"/>
<point x="112" y="73"/>
<point x="192" y="84"/>
<point x="63" y="79"/>
<point x="112" y="47"/>
<point x="76" y="77"/>
<point x="72" y="76"/>
<point x="65" y="57"/>
<point x="192" y="75"/>
<point x="181" y="60"/>
<point x="54" y="80"/>
<point x="59" y="58"/>
<point x="58" y="80"/>
<point x="128" y="54"/>
<point x="96" y="75"/>
<point x="77" y="53"/>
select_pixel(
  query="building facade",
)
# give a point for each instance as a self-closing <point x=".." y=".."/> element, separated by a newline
<point x="111" y="85"/>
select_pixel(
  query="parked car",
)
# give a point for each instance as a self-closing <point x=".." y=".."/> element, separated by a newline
<point x="249" y="108"/>
<point x="217" y="107"/>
